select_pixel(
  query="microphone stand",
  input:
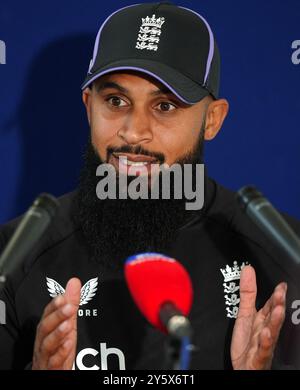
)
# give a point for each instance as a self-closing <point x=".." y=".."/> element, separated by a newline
<point x="177" y="353"/>
<point x="172" y="353"/>
<point x="177" y="350"/>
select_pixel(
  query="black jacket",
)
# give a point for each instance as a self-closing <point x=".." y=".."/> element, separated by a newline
<point x="111" y="331"/>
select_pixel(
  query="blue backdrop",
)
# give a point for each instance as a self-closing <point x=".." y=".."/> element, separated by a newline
<point x="43" y="128"/>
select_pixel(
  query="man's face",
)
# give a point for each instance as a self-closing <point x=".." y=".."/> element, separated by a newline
<point x="132" y="113"/>
<point x="136" y="117"/>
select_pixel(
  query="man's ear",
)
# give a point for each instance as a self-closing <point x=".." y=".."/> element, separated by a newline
<point x="215" y="115"/>
<point x="86" y="98"/>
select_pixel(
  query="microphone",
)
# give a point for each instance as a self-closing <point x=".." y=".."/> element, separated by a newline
<point x="162" y="290"/>
<point x="28" y="232"/>
<point x="265" y="216"/>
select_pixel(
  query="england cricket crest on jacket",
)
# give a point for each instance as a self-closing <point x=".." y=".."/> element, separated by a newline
<point x="232" y="288"/>
<point x="149" y="33"/>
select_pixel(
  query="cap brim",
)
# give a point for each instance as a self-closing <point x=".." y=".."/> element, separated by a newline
<point x="184" y="88"/>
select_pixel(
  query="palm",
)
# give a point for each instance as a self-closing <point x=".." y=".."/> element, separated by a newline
<point x="255" y="332"/>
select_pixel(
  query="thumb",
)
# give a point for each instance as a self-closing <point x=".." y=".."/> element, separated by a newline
<point x="248" y="291"/>
<point x="73" y="290"/>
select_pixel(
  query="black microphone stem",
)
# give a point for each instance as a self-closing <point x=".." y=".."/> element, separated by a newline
<point x="28" y="232"/>
<point x="274" y="226"/>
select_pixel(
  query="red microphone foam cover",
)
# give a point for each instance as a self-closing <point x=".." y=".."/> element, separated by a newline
<point x="154" y="279"/>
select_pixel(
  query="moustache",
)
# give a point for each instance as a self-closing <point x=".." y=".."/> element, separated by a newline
<point x="138" y="150"/>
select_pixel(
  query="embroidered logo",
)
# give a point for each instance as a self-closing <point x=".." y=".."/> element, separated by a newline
<point x="231" y="288"/>
<point x="149" y="33"/>
<point x="88" y="291"/>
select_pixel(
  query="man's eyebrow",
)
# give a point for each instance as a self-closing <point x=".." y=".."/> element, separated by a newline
<point x="111" y="84"/>
<point x="161" y="91"/>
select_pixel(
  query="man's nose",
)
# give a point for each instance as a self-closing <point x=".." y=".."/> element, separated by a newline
<point x="137" y="128"/>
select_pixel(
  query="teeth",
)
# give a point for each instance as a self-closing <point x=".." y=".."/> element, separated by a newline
<point x="125" y="161"/>
<point x="136" y="164"/>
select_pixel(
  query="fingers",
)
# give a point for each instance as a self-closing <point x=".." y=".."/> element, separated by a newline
<point x="277" y="298"/>
<point x="73" y="289"/>
<point x="264" y="353"/>
<point x="57" y="361"/>
<point x="72" y="295"/>
<point x="269" y="334"/>
<point x="248" y="292"/>
<point x="255" y="334"/>
<point x="56" y="333"/>
<point x="53" y="328"/>
<point x="52" y="334"/>
<point x="267" y="341"/>
<point x="276" y="321"/>
<point x="60" y="311"/>
<point x="54" y="305"/>
<point x="276" y="315"/>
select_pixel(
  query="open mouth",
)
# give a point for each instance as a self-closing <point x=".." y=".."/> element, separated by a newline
<point x="133" y="164"/>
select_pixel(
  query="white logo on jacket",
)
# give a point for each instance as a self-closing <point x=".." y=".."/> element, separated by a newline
<point x="100" y="355"/>
<point x="231" y="288"/>
<point x="88" y="291"/>
<point x="149" y="33"/>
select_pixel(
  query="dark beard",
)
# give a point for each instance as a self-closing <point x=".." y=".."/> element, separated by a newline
<point x="118" y="228"/>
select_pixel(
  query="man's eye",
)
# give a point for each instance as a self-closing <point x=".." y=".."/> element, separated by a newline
<point x="116" y="101"/>
<point x="166" y="106"/>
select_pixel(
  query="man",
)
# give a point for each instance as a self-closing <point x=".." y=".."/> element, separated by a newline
<point x="151" y="96"/>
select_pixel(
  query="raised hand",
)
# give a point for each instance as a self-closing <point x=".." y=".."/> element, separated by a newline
<point x="255" y="332"/>
<point x="56" y="337"/>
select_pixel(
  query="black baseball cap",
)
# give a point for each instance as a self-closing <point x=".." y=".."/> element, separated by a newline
<point x="173" y="44"/>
